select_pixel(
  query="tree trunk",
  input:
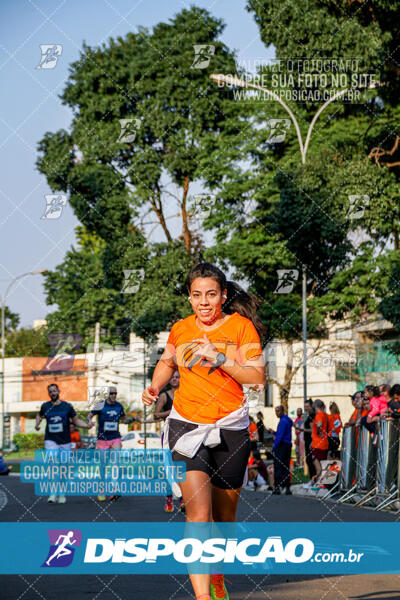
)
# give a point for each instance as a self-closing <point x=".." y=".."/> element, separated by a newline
<point x="187" y="236"/>
<point x="287" y="380"/>
<point x="158" y="209"/>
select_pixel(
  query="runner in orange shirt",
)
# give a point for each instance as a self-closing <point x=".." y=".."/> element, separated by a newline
<point x="217" y="352"/>
<point x="320" y="443"/>
<point x="253" y="432"/>
<point x="335" y="426"/>
<point x="75" y="437"/>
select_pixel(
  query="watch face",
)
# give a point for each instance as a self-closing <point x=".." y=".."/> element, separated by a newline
<point x="220" y="359"/>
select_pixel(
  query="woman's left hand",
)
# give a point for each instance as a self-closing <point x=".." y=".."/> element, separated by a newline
<point x="206" y="349"/>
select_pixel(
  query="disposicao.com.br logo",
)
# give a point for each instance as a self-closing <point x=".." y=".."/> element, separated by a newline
<point x="248" y="551"/>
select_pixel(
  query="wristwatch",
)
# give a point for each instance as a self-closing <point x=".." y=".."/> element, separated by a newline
<point x="221" y="358"/>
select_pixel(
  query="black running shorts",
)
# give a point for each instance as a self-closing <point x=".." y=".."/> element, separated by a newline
<point x="225" y="464"/>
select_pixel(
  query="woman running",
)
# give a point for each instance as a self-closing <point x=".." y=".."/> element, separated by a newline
<point x="162" y="410"/>
<point x="217" y="350"/>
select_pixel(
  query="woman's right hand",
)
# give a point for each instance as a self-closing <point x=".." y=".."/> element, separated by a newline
<point x="150" y="395"/>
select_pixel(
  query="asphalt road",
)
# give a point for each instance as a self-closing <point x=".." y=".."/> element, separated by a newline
<point x="18" y="503"/>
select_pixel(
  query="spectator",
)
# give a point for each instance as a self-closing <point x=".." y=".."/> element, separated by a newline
<point x="384" y="389"/>
<point x="253" y="432"/>
<point x="307" y="429"/>
<point x="4" y="469"/>
<point x="260" y="427"/>
<point x="378" y="404"/>
<point x="394" y="403"/>
<point x="259" y="473"/>
<point x="281" y="450"/>
<point x="75" y="437"/>
<point x="299" y="439"/>
<point x="320" y="441"/>
<point x="335" y="427"/>
<point x="251" y="474"/>
<point x="365" y="407"/>
<point x="357" y="401"/>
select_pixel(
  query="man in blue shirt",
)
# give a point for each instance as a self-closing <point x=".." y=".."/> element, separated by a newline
<point x="281" y="450"/>
<point x="58" y="414"/>
<point x="108" y="435"/>
<point x="108" y="418"/>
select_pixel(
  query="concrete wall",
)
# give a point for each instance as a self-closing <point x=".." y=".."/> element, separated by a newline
<point x="38" y="373"/>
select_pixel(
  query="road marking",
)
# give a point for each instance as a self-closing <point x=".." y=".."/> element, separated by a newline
<point x="3" y="499"/>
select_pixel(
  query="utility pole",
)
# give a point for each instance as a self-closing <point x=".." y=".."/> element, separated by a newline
<point x="144" y="387"/>
<point x="96" y="349"/>
<point x="304" y="323"/>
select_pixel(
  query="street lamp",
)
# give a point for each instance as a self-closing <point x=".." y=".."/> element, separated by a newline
<point x="236" y="81"/>
<point x="3" y="309"/>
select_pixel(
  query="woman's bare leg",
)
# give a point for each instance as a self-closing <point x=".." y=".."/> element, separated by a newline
<point x="224" y="504"/>
<point x="196" y="492"/>
<point x="318" y="468"/>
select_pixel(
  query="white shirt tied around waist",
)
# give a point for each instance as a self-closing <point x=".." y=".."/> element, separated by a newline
<point x="208" y="434"/>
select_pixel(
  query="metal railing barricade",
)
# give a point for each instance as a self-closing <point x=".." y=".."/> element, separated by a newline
<point x="389" y="486"/>
<point x="366" y="462"/>
<point x="385" y="487"/>
<point x="348" y="457"/>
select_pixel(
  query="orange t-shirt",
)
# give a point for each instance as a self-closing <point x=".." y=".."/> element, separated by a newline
<point x="320" y="442"/>
<point x="252" y="430"/>
<point x="364" y="413"/>
<point x="206" y="393"/>
<point x="335" y="424"/>
<point x="75" y="439"/>
<point x="354" y="415"/>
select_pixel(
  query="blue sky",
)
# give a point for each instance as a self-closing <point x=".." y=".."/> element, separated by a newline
<point x="29" y="106"/>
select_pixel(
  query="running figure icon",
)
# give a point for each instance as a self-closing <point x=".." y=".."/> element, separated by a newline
<point x="62" y="549"/>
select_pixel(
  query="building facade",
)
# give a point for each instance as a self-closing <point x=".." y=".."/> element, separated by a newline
<point x="334" y="372"/>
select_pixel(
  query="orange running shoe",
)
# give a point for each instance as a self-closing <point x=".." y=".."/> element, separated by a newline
<point x="218" y="589"/>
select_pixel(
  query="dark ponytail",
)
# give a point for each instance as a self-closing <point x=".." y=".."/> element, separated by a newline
<point x="238" y="300"/>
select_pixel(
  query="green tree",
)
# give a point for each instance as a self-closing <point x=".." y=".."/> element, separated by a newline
<point x="121" y="181"/>
<point x="79" y="289"/>
<point x="11" y="320"/>
<point x="27" y="342"/>
<point x="281" y="214"/>
<point x="177" y="117"/>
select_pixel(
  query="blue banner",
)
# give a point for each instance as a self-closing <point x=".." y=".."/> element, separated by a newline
<point x="179" y="548"/>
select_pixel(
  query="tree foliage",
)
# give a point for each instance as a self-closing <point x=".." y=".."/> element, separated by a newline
<point x="27" y="341"/>
<point x="120" y="182"/>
